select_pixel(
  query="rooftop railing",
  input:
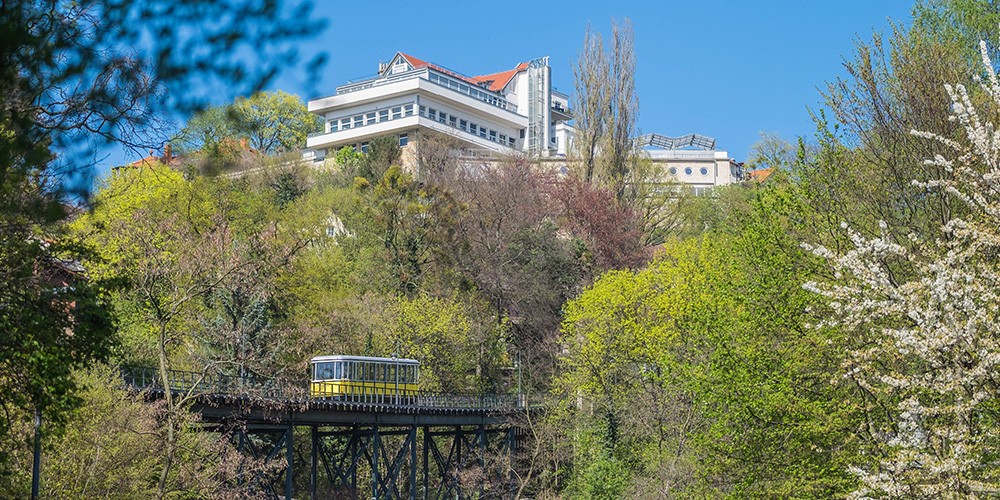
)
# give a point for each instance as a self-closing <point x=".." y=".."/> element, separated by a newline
<point x="437" y="77"/>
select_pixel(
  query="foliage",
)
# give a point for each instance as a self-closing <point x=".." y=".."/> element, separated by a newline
<point x="76" y="76"/>
<point x="265" y="123"/>
<point x="930" y="347"/>
<point x="698" y="374"/>
<point x="509" y="250"/>
<point x="111" y="448"/>
<point x="610" y="230"/>
<point x="410" y="222"/>
<point x="606" y="108"/>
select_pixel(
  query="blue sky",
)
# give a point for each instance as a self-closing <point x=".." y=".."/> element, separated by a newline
<point x="726" y="69"/>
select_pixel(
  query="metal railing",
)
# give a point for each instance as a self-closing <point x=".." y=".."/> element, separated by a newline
<point x="203" y="383"/>
<point x="438" y="78"/>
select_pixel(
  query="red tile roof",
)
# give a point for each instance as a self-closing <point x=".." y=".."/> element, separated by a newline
<point x="497" y="81"/>
<point x="761" y="175"/>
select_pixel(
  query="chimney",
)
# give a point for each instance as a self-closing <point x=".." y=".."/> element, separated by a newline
<point x="382" y="67"/>
<point x="167" y="154"/>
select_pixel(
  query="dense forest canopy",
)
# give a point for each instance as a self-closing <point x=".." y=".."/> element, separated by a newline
<point x="828" y="332"/>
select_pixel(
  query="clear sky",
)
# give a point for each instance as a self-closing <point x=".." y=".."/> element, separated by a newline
<point x="728" y="69"/>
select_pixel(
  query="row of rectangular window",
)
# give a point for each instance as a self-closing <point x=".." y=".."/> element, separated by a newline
<point x="371" y="117"/>
<point x="356" y="371"/>
<point x="472" y="91"/>
<point x="403" y="140"/>
<point x="466" y="126"/>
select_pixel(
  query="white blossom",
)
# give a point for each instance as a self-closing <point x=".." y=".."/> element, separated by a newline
<point x="935" y="339"/>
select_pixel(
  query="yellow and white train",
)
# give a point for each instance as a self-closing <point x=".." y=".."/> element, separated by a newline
<point x="364" y="378"/>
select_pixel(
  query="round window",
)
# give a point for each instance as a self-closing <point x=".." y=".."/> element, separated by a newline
<point x="673" y="171"/>
<point x="687" y="171"/>
<point x="704" y="171"/>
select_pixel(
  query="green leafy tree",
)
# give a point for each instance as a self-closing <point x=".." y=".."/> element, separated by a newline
<point x="929" y="350"/>
<point x="407" y="223"/>
<point x="699" y="375"/>
<point x="75" y="75"/>
<point x="270" y="122"/>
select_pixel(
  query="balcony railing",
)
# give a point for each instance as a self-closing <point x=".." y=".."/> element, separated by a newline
<point x="438" y="78"/>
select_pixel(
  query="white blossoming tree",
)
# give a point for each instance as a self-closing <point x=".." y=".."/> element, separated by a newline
<point x="928" y="329"/>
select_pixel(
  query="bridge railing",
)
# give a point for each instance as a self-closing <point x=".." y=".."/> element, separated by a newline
<point x="273" y="389"/>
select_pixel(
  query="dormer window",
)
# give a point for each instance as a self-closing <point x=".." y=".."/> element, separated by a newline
<point x="400" y="66"/>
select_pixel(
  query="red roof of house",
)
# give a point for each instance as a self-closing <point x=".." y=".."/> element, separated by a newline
<point x="495" y="81"/>
<point x="761" y="175"/>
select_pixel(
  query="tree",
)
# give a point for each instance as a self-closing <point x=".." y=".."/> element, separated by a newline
<point x="189" y="252"/>
<point x="508" y="248"/>
<point x="590" y="77"/>
<point x="270" y="122"/>
<point x="606" y="108"/>
<point x="929" y="348"/>
<point x="611" y="231"/>
<point x="78" y="74"/>
<point x="383" y="152"/>
<point x="411" y="224"/>
<point x="867" y="154"/>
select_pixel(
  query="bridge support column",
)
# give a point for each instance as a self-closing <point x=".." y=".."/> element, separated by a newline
<point x="375" y="452"/>
<point x="427" y="449"/>
<point x="313" y="462"/>
<point x="290" y="463"/>
<point x="413" y="462"/>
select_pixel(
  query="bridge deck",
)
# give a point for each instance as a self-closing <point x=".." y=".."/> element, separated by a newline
<point x="221" y="399"/>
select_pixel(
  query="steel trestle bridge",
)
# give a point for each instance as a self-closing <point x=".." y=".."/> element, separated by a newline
<point x="433" y="445"/>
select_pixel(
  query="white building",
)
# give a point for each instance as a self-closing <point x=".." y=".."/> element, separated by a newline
<point x="513" y="111"/>
<point x="693" y="160"/>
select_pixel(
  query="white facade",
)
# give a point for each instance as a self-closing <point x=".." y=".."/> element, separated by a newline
<point x="511" y="111"/>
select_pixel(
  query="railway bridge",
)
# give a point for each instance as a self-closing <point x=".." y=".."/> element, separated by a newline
<point x="361" y="446"/>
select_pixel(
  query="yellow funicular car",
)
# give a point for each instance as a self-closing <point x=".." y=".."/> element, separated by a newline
<point x="364" y="379"/>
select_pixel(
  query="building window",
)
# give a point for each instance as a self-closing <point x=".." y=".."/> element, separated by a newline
<point x="442" y="117"/>
<point x="704" y="171"/>
<point x="332" y="125"/>
<point x="687" y="171"/>
<point x="472" y="128"/>
<point x="464" y="125"/>
<point x="432" y="114"/>
<point x="403" y="140"/>
<point x="423" y="111"/>
<point x="383" y="115"/>
<point x="511" y="140"/>
<point x="345" y="123"/>
<point x="493" y="135"/>
<point x="408" y="110"/>
<point x="364" y="147"/>
<point x="358" y="121"/>
<point x="522" y="133"/>
<point x="503" y="138"/>
<point x="370" y="118"/>
<point x="673" y="170"/>
<point x="453" y="121"/>
<point x="482" y="132"/>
